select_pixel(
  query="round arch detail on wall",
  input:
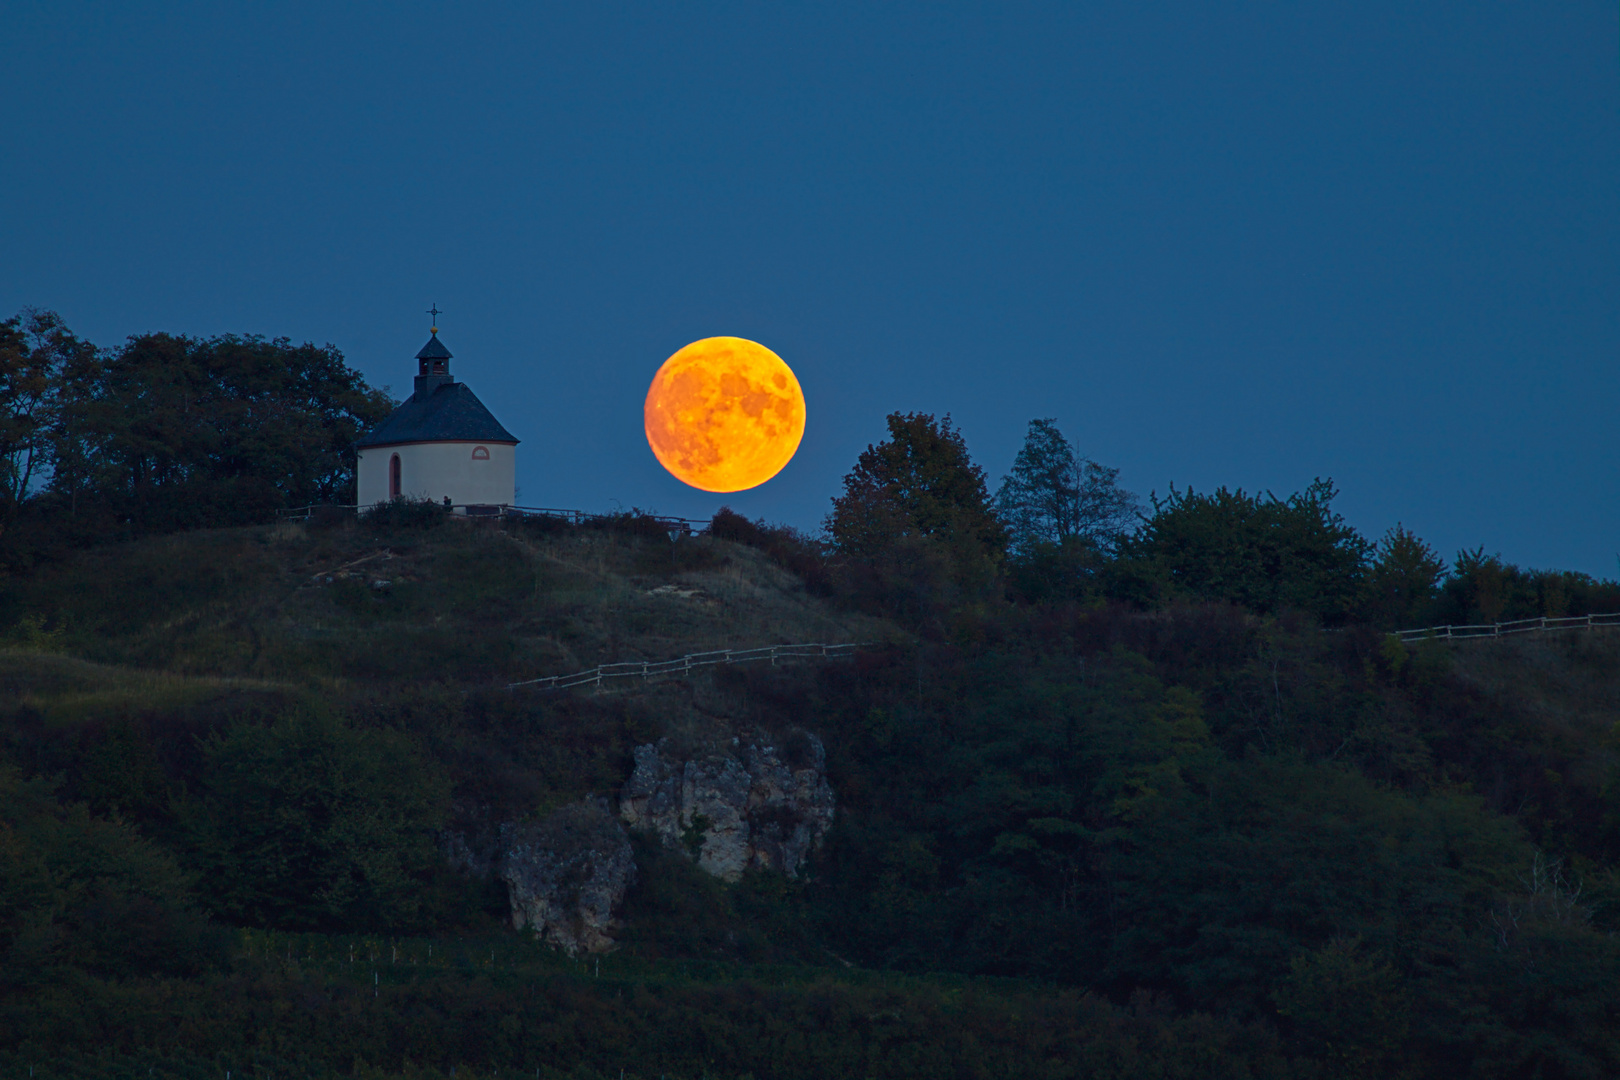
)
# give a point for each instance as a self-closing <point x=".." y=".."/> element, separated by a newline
<point x="480" y="453"/>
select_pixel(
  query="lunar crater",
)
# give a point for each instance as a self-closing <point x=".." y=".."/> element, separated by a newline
<point x="724" y="414"/>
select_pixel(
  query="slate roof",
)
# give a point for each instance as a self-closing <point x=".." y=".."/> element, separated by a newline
<point x="448" y="412"/>
<point x="434" y="349"/>
<point x="441" y="410"/>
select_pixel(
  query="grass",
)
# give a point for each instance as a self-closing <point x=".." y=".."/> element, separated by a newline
<point x="66" y="691"/>
<point x="462" y="602"/>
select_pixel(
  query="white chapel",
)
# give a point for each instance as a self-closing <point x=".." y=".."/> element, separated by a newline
<point x="440" y="444"/>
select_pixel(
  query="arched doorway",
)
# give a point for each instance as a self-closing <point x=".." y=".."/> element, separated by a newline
<point x="393" y="477"/>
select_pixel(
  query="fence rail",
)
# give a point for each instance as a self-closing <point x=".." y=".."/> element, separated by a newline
<point x="689" y="526"/>
<point x="1502" y="629"/>
<point x="649" y="669"/>
<point x="304" y="513"/>
<point x="583" y="517"/>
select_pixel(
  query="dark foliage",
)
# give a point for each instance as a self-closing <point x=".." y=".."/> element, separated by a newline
<point x="920" y="483"/>
<point x="1261" y="552"/>
<point x="1483" y="589"/>
<point x="167" y="433"/>
<point x="84" y="894"/>
<point x="1100" y="813"/>
<point x="38" y="354"/>
<point x="792" y="550"/>
<point x="175" y="432"/>
<point x="1054" y="497"/>
<point x="404" y="513"/>
<point x="310" y="823"/>
<point x="1402" y="581"/>
<point x="914" y="534"/>
<point x="637" y="524"/>
<point x="300" y="1006"/>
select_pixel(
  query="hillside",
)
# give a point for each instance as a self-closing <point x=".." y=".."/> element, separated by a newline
<point x="453" y="601"/>
<point x="252" y="800"/>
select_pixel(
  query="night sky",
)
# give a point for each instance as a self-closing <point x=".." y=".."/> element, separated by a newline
<point x="1241" y="244"/>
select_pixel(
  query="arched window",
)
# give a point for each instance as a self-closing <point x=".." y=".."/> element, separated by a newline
<point x="480" y="453"/>
<point x="393" y="477"/>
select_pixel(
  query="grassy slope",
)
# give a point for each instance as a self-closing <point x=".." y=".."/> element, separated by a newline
<point x="122" y="659"/>
<point x="465" y="604"/>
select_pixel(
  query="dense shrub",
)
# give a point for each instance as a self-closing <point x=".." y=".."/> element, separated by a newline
<point x="921" y="482"/>
<point x="312" y="823"/>
<point x="1261" y="552"/>
<point x="1483" y="589"/>
<point x="87" y="894"/>
<point x="404" y="513"/>
<point x="790" y="549"/>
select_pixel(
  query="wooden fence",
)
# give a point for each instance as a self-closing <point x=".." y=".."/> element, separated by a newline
<point x="651" y="669"/>
<point x="688" y="526"/>
<point x="1502" y="629"/>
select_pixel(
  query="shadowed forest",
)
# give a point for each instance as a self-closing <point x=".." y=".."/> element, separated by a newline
<point x="1125" y="787"/>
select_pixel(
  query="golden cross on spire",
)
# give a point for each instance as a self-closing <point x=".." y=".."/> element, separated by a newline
<point x="435" y="312"/>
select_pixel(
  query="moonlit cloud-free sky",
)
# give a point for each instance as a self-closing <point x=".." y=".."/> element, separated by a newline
<point x="1244" y="243"/>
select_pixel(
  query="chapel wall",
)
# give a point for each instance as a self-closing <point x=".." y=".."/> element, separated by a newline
<point x="434" y="470"/>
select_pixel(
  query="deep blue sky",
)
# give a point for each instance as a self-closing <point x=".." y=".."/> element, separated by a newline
<point x="1242" y="244"/>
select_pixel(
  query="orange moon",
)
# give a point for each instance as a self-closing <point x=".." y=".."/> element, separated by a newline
<point x="724" y="414"/>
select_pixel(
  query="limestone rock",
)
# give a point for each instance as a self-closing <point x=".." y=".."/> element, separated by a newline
<point x="764" y="806"/>
<point x="565" y="875"/>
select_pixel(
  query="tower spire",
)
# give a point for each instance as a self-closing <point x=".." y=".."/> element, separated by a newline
<point x="433" y="361"/>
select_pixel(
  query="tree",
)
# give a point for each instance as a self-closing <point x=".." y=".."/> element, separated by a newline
<point x="1259" y="551"/>
<point x="1053" y="496"/>
<point x="36" y="350"/>
<point x="80" y="891"/>
<point x="175" y="432"/>
<point x="1481" y="588"/>
<point x="314" y="824"/>
<point x="920" y="483"/>
<point x="1404" y="577"/>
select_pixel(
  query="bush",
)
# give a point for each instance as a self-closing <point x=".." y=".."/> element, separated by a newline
<point x="637" y="524"/>
<point x="1482" y="588"/>
<point x="404" y="513"/>
<point x="311" y="823"/>
<point x="1262" y="552"/>
<point x="80" y="892"/>
<point x="787" y="547"/>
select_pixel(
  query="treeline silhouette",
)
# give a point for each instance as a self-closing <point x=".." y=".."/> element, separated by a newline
<point x="167" y="432"/>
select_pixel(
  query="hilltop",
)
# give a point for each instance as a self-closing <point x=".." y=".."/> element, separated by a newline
<point x="451" y="601"/>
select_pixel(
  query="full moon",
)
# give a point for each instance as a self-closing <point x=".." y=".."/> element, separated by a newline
<point x="724" y="414"/>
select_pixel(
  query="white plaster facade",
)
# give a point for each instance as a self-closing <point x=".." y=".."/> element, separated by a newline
<point x="471" y="473"/>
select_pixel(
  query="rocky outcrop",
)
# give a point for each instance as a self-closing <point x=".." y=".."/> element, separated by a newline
<point x="467" y="855"/>
<point x="567" y="874"/>
<point x="765" y="804"/>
